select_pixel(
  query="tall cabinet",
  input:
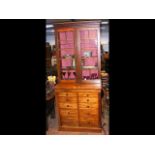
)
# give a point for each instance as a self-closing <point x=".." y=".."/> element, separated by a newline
<point x="78" y="97"/>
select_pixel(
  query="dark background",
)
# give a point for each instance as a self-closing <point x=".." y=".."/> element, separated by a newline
<point x="22" y="106"/>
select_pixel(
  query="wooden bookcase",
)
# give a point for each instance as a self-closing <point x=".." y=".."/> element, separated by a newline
<point x="78" y="92"/>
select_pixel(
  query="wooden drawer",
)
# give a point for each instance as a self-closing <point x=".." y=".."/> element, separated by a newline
<point x="89" y="113"/>
<point x="95" y="95"/>
<point x="67" y="99"/>
<point x="66" y="113"/>
<point x="85" y="117"/>
<point x="69" y="122"/>
<point x="67" y="94"/>
<point x="69" y="105"/>
<point x="88" y="105"/>
<point x="89" y="123"/>
<point x="87" y="100"/>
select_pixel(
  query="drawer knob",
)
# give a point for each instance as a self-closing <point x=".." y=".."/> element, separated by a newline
<point x="67" y="105"/>
<point x="87" y="106"/>
<point x="68" y="112"/>
<point x="87" y="100"/>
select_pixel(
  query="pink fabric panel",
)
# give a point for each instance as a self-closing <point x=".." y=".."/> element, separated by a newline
<point x="84" y="41"/>
<point x="92" y="33"/>
<point x="63" y="42"/>
<point x="63" y="52"/>
<point x="82" y="53"/>
<point x="70" y="46"/>
<point x="84" y="34"/>
<point x="67" y="46"/>
<point x="94" y="52"/>
<point x="82" y="45"/>
<point x="85" y="46"/>
<point x="63" y="46"/>
<point x="70" y="52"/>
<point x="92" y="43"/>
<point x="62" y="36"/>
<point x="67" y="52"/>
<point x="90" y="61"/>
<point x="66" y="62"/>
<point x="69" y="41"/>
<point x="69" y="35"/>
<point x="85" y="73"/>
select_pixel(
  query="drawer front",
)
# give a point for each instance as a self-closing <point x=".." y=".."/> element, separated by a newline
<point x="69" y="105"/>
<point x="94" y="95"/>
<point x="85" y="114"/>
<point x="87" y="99"/>
<point x="67" y="94"/>
<point x="88" y="105"/>
<point x="69" y="122"/>
<point x="67" y="99"/>
<point x="68" y="113"/>
<point x="89" y="123"/>
<point x="88" y="117"/>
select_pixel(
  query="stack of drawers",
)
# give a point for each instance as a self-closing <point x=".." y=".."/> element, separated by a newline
<point x="78" y="109"/>
<point x="88" y="109"/>
<point x="68" y="110"/>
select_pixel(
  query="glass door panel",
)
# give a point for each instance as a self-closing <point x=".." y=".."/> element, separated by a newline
<point x="89" y="54"/>
<point x="67" y="55"/>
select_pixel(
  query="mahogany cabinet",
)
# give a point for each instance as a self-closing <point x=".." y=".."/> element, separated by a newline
<point x="79" y="89"/>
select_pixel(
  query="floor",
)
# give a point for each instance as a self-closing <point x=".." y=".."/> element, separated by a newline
<point x="53" y="125"/>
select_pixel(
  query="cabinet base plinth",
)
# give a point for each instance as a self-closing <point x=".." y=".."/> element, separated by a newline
<point x="80" y="129"/>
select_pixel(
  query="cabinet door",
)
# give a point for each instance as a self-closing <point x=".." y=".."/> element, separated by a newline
<point x="89" y="53"/>
<point x="67" y="56"/>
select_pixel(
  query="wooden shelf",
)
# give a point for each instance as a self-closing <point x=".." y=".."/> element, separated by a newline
<point x="89" y="67"/>
<point x="73" y="68"/>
